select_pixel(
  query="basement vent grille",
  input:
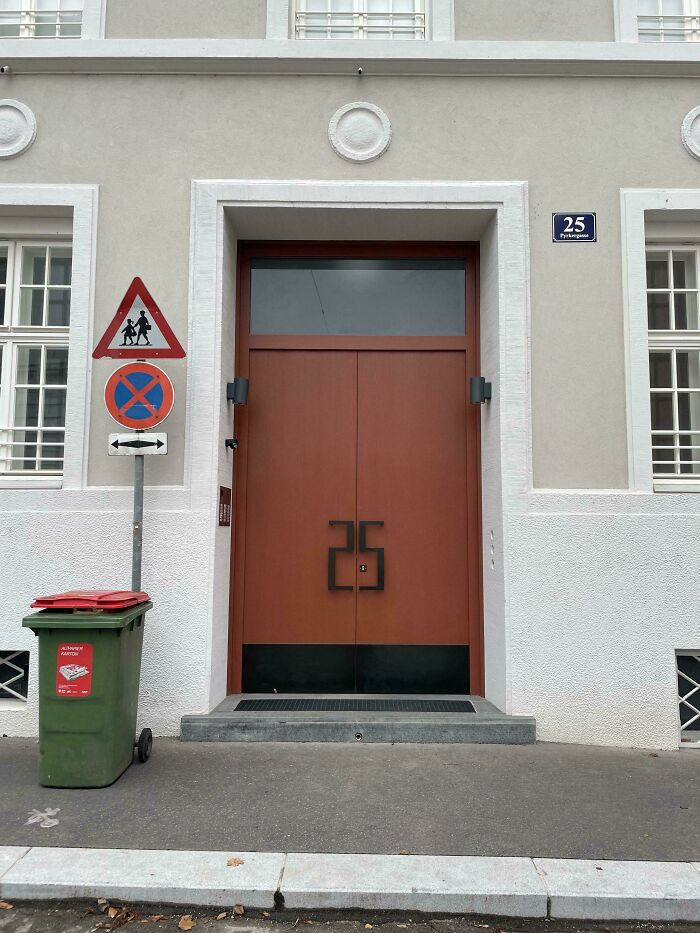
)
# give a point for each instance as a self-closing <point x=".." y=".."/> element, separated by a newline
<point x="14" y="675"/>
<point x="688" y="669"/>
<point x="359" y="705"/>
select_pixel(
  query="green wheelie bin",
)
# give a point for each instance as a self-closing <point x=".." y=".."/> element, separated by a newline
<point x="89" y="669"/>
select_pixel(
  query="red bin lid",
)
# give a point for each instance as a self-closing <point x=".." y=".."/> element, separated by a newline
<point x="91" y="599"/>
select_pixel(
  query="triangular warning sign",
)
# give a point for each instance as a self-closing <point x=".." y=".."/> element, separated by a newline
<point x="138" y="330"/>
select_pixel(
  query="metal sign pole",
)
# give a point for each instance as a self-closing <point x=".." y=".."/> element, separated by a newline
<point x="137" y="549"/>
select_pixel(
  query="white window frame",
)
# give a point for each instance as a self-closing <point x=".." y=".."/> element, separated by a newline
<point x="14" y="335"/>
<point x="690" y="22"/>
<point x="439" y="20"/>
<point x="81" y="201"/>
<point x="671" y="204"/>
<point x="92" y="25"/>
<point x="672" y="340"/>
<point x="361" y="22"/>
<point x="627" y="20"/>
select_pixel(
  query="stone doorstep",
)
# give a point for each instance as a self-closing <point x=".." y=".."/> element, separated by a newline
<point x="487" y="725"/>
<point x="507" y="887"/>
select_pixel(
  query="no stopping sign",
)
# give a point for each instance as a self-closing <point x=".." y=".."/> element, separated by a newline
<point x="139" y="396"/>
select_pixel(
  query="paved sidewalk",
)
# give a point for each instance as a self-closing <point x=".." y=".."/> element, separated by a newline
<point x="547" y="801"/>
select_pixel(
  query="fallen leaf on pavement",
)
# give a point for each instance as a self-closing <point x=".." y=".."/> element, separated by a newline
<point x="404" y="852"/>
<point x="368" y="926"/>
<point x="154" y="918"/>
<point x="265" y="913"/>
<point x="222" y="916"/>
<point x="5" y="905"/>
<point x="239" y="910"/>
<point x="235" y="862"/>
<point x="186" y="923"/>
<point x="113" y="912"/>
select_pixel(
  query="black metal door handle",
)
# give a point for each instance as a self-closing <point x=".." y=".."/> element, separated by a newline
<point x="379" y="551"/>
<point x="332" y="551"/>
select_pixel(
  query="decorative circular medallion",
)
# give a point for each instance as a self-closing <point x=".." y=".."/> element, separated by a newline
<point x="360" y="132"/>
<point x="690" y="133"/>
<point x="17" y="128"/>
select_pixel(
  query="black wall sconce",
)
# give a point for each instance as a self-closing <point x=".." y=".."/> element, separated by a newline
<point x="479" y="390"/>
<point x="236" y="392"/>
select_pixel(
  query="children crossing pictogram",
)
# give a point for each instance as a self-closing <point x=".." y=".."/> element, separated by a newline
<point x="139" y="395"/>
<point x="139" y="329"/>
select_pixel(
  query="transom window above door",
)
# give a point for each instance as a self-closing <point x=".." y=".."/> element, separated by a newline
<point x="41" y="19"/>
<point x="382" y="296"/>
<point x="360" y="19"/>
<point x="669" y="20"/>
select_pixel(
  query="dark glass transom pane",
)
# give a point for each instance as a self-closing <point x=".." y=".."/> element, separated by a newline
<point x="372" y="297"/>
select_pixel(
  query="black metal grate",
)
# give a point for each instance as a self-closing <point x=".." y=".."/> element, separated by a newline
<point x="359" y="705"/>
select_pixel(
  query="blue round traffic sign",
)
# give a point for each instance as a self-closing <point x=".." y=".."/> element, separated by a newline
<point x="139" y="395"/>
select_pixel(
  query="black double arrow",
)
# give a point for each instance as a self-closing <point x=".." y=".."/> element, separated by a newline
<point x="137" y="444"/>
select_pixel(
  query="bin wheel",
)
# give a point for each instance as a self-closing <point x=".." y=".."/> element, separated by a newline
<point x="144" y="745"/>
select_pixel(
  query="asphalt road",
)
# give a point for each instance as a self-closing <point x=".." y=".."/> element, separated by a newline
<point x="85" y="918"/>
<point x="545" y="800"/>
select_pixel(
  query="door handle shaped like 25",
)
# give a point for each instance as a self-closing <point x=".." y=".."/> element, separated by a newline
<point x="349" y="548"/>
<point x="332" y="551"/>
<point x="379" y="551"/>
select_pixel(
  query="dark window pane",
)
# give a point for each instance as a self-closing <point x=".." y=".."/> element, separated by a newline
<point x="34" y="265"/>
<point x="31" y="307"/>
<point x="662" y="411"/>
<point x="2" y="306"/>
<point x="689" y="411"/>
<point x="56" y="366"/>
<point x="358" y="296"/>
<point x="61" y="263"/>
<point x="59" y="307"/>
<point x="659" y="311"/>
<point x="688" y="369"/>
<point x="684" y="270"/>
<point x="660" y="373"/>
<point x="686" y="310"/>
<point x="28" y="366"/>
<point x="26" y="407"/>
<point x="657" y="272"/>
<point x="54" y="408"/>
<point x="3" y="268"/>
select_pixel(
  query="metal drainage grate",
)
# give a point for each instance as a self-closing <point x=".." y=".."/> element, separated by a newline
<point x="309" y="705"/>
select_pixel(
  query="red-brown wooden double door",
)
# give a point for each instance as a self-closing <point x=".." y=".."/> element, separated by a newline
<point x="356" y="558"/>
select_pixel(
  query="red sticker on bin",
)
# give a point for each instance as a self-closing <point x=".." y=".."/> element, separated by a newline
<point x="74" y="671"/>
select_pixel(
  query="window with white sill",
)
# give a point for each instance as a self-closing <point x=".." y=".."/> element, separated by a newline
<point x="41" y="19"/>
<point x="669" y="20"/>
<point x="674" y="361"/>
<point x="360" y="19"/>
<point x="35" y="297"/>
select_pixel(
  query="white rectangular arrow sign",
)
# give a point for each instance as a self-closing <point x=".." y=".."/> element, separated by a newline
<point x="129" y="445"/>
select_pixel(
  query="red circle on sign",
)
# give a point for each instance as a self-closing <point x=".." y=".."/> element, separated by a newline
<point x="139" y="396"/>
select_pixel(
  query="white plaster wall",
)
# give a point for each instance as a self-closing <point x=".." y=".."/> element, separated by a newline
<point x="83" y="541"/>
<point x="601" y="595"/>
<point x="535" y="20"/>
<point x="186" y="19"/>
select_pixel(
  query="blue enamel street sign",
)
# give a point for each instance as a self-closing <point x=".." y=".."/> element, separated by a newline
<point x="574" y="227"/>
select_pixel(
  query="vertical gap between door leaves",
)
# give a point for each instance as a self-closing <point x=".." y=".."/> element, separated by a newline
<point x="357" y="503"/>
